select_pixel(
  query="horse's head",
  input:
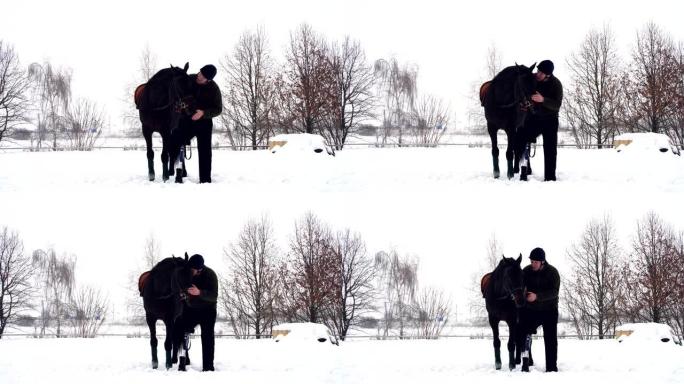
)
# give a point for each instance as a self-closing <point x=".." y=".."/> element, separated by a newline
<point x="508" y="281"/>
<point x="525" y="84"/>
<point x="172" y="88"/>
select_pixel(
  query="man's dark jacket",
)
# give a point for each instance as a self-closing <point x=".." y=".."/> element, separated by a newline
<point x="545" y="283"/>
<point x="207" y="283"/>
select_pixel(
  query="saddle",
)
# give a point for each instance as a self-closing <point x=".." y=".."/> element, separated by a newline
<point x="142" y="280"/>
<point x="484" y="283"/>
<point x="483" y="91"/>
<point x="138" y="94"/>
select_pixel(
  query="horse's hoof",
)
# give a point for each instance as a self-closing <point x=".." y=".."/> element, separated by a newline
<point x="155" y="365"/>
<point x="169" y="366"/>
<point x="511" y="366"/>
<point x="497" y="174"/>
<point x="151" y="176"/>
<point x="497" y="366"/>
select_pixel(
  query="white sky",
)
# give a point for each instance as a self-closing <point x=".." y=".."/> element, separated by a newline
<point x="448" y="40"/>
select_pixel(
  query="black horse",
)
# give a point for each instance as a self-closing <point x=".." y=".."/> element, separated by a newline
<point x="502" y="290"/>
<point x="162" y="102"/>
<point x="163" y="291"/>
<point x="506" y="102"/>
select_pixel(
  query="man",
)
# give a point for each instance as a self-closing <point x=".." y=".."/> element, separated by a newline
<point x="208" y="105"/>
<point x="201" y="310"/>
<point x="542" y="282"/>
<point x="547" y="102"/>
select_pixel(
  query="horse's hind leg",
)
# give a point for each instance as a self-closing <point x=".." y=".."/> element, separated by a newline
<point x="153" y="340"/>
<point x="495" y="149"/>
<point x="494" y="323"/>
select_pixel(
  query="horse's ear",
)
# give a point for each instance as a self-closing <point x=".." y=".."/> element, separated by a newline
<point x="186" y="66"/>
<point x="532" y="66"/>
<point x="519" y="259"/>
<point x="186" y="256"/>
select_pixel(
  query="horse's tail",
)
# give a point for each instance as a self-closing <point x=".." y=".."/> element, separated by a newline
<point x="483" y="91"/>
<point x="142" y="281"/>
<point x="484" y="283"/>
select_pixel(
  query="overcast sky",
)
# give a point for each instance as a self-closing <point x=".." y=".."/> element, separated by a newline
<point x="101" y="41"/>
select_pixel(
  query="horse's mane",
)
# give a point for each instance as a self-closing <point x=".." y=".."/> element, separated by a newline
<point x="164" y="75"/>
<point x="496" y="279"/>
<point x="167" y="264"/>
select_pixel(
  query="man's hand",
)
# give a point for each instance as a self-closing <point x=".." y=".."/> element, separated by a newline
<point x="531" y="297"/>
<point x="193" y="291"/>
<point x="198" y="115"/>
<point x="537" y="98"/>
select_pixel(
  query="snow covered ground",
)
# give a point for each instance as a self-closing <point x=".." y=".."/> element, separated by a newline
<point x="441" y="205"/>
<point x="121" y="360"/>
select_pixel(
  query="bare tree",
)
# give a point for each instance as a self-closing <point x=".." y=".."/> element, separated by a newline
<point x="13" y="91"/>
<point x="251" y="89"/>
<point x="493" y="65"/>
<point x="147" y="67"/>
<point x="250" y="286"/>
<point x="307" y="87"/>
<point x="430" y="120"/>
<point x="397" y="87"/>
<point x="649" y="83"/>
<point x="651" y="271"/>
<point x="399" y="281"/>
<point x="353" y="91"/>
<point x="16" y="272"/>
<point x="56" y="279"/>
<point x="354" y="276"/>
<point x="52" y="95"/>
<point x="676" y="117"/>
<point x="432" y="310"/>
<point x="311" y="267"/>
<point x="592" y="291"/>
<point x="88" y="309"/>
<point x="150" y="257"/>
<point x="675" y="310"/>
<point x="84" y="124"/>
<point x="488" y="264"/>
<point x="594" y="97"/>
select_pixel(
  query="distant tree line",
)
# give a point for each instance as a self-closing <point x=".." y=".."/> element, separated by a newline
<point x="40" y="290"/>
<point x="609" y="95"/>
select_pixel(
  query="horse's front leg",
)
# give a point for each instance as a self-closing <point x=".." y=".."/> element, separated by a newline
<point x="179" y="165"/>
<point x="183" y="358"/>
<point x="512" y="343"/>
<point x="150" y="154"/>
<point x="511" y="155"/>
<point x="165" y="157"/>
<point x="168" y="342"/>
<point x="527" y="347"/>
<point x="494" y="323"/>
<point x="153" y="340"/>
<point x="495" y="149"/>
